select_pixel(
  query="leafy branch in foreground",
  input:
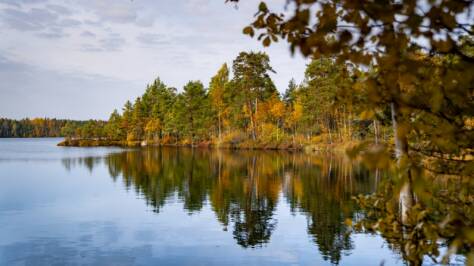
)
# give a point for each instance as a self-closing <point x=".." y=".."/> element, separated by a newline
<point x="420" y="56"/>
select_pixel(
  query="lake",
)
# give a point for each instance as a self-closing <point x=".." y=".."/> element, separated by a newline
<point x="180" y="206"/>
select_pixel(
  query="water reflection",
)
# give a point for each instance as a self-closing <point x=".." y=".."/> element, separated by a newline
<point x="244" y="187"/>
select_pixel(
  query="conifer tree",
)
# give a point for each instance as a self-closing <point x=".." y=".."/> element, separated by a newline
<point x="251" y="77"/>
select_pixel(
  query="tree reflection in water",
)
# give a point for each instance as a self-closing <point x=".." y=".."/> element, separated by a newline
<point x="244" y="188"/>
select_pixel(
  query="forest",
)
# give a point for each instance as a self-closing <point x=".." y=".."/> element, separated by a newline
<point x="241" y="107"/>
<point x="34" y="128"/>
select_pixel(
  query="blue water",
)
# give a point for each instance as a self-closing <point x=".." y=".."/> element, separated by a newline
<point x="110" y="206"/>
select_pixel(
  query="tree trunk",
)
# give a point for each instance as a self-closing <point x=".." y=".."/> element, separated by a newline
<point x="294" y="135"/>
<point x="401" y="148"/>
<point x="219" y="126"/>
<point x="278" y="130"/>
<point x="349" y="125"/>
<point x="255" y="120"/>
<point x="252" y="122"/>
<point x="344" y="117"/>
<point x="329" y="128"/>
<point x="406" y="196"/>
<point x="376" y="132"/>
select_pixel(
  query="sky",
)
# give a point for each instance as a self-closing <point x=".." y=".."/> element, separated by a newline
<point x="82" y="59"/>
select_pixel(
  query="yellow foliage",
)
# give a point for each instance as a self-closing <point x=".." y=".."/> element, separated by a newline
<point x="152" y="128"/>
<point x="367" y="114"/>
<point x="270" y="133"/>
<point x="317" y="139"/>
<point x="277" y="108"/>
<point x="132" y="137"/>
<point x="297" y="111"/>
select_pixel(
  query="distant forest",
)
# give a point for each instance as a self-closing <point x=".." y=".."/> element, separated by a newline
<point x="37" y="127"/>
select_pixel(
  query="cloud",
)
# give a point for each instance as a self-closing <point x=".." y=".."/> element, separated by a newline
<point x="45" y="21"/>
<point x="95" y="23"/>
<point x="54" y="33"/>
<point x="69" y="23"/>
<point x="87" y="47"/>
<point x="138" y="13"/>
<point x="112" y="43"/>
<point x="112" y="10"/>
<point x="149" y="39"/>
<point x="88" y="34"/>
<point x="198" y="6"/>
<point x="32" y="20"/>
<point x="18" y="3"/>
<point x="60" y="10"/>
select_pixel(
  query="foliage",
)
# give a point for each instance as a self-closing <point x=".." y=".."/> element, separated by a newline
<point x="217" y="88"/>
<point x="245" y="111"/>
<point x="419" y="58"/>
<point x="251" y="76"/>
<point x="37" y="127"/>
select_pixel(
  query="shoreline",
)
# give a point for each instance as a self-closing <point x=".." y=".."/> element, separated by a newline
<point x="239" y="146"/>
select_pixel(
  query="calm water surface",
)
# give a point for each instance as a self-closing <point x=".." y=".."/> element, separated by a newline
<point x="110" y="206"/>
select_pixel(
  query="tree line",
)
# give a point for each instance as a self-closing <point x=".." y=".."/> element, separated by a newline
<point x="242" y="107"/>
<point x="37" y="127"/>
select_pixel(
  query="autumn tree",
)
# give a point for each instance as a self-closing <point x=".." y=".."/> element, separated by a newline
<point x="152" y="129"/>
<point x="216" y="93"/>
<point x="251" y="76"/>
<point x="293" y="118"/>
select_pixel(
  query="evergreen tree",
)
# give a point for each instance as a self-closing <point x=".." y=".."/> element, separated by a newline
<point x="196" y="110"/>
<point x="126" y="124"/>
<point x="290" y="93"/>
<point x="113" y="129"/>
<point x="251" y="77"/>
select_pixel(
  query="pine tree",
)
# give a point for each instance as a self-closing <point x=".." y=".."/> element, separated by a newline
<point x="195" y="110"/>
<point x="251" y="77"/>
